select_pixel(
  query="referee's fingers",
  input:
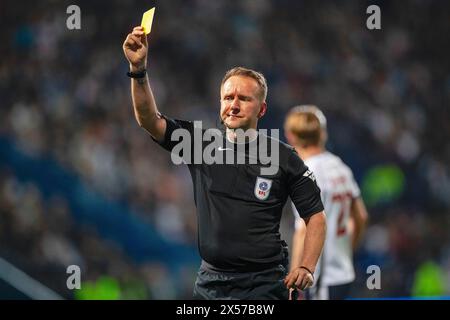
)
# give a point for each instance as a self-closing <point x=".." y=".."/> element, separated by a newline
<point x="139" y="32"/>
<point x="300" y="281"/>
<point x="136" y="40"/>
<point x="289" y="281"/>
<point x="128" y="41"/>
<point x="305" y="282"/>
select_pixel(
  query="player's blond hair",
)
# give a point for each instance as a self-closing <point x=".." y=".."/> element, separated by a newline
<point x="244" y="72"/>
<point x="308" y="124"/>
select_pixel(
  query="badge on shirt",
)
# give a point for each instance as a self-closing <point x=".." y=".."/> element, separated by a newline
<point x="262" y="188"/>
<point x="310" y="174"/>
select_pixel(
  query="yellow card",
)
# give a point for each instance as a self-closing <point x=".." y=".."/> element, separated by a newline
<point x="147" y="20"/>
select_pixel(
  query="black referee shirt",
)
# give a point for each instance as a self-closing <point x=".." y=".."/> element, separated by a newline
<point x="239" y="210"/>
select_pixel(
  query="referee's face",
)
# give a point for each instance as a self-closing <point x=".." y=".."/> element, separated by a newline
<point x="240" y="103"/>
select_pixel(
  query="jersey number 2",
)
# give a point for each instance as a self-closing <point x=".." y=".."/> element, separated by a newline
<point x="344" y="200"/>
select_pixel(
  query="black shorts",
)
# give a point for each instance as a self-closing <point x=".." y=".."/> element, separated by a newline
<point x="267" y="284"/>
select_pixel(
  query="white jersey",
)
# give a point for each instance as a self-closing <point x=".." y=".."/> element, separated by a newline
<point x="338" y="188"/>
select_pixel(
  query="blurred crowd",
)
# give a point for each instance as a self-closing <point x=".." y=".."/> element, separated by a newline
<point x="64" y="94"/>
<point x="42" y="239"/>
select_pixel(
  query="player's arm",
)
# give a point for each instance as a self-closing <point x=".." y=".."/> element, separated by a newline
<point x="298" y="240"/>
<point x="135" y="48"/>
<point x="359" y="218"/>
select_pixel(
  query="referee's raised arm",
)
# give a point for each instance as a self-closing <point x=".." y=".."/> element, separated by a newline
<point x="135" y="48"/>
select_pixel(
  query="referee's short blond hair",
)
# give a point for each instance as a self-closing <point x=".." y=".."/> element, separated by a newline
<point x="308" y="124"/>
<point x="244" y="72"/>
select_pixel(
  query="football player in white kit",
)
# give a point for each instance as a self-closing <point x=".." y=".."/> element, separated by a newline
<point x="306" y="130"/>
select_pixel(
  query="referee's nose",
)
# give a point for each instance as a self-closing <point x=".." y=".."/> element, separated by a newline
<point x="235" y="107"/>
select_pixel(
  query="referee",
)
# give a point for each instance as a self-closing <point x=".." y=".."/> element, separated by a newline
<point x="238" y="208"/>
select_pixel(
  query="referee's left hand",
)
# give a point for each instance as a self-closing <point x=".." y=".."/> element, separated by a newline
<point x="299" y="278"/>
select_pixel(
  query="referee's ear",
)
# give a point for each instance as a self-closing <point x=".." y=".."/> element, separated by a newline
<point x="263" y="110"/>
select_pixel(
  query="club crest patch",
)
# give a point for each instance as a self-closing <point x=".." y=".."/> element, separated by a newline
<point x="262" y="188"/>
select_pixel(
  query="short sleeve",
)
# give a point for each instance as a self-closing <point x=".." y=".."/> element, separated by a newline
<point x="303" y="189"/>
<point x="168" y="143"/>
<point x="354" y="188"/>
<point x="296" y="216"/>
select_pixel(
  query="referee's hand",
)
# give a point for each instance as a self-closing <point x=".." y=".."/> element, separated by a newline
<point x="135" y="48"/>
<point x="299" y="278"/>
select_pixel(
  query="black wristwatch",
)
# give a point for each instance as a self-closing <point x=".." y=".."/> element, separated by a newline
<point x="137" y="75"/>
